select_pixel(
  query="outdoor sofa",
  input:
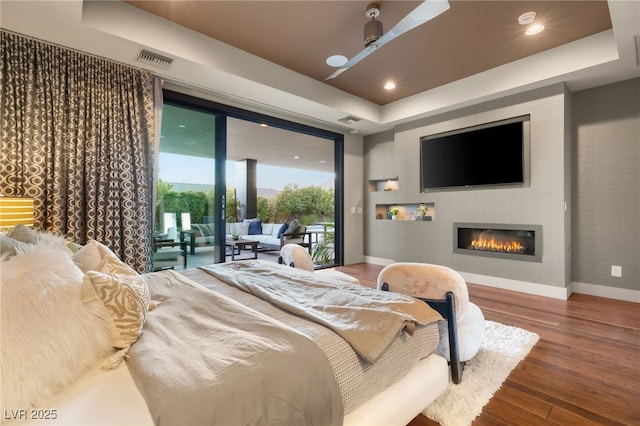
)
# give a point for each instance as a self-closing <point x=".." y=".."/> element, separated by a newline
<point x="270" y="236"/>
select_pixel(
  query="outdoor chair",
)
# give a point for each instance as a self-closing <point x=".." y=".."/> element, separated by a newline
<point x="167" y="254"/>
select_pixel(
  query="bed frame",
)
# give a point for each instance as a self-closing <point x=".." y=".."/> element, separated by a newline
<point x="447" y="308"/>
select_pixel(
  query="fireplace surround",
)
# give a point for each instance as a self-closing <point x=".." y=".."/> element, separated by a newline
<point x="497" y="240"/>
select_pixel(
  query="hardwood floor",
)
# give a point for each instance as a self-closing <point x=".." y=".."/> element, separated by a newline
<point x="584" y="370"/>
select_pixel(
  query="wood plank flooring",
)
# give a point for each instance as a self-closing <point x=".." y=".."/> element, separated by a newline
<point x="584" y="370"/>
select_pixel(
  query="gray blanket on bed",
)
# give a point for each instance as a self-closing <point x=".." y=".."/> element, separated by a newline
<point x="205" y="359"/>
<point x="367" y="319"/>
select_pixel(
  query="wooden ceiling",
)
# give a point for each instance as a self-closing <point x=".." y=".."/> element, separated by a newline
<point x="469" y="38"/>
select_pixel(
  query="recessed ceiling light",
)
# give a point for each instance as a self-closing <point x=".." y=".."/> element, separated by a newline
<point x="534" y="29"/>
<point x="264" y="125"/>
<point x="389" y="85"/>
<point x="296" y="157"/>
<point x="526" y="18"/>
<point x="336" y="60"/>
<point x="322" y="161"/>
<point x="182" y="126"/>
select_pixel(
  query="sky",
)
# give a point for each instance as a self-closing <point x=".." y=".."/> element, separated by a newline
<point x="188" y="169"/>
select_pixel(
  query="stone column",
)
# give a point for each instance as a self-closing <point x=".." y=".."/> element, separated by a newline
<point x="246" y="185"/>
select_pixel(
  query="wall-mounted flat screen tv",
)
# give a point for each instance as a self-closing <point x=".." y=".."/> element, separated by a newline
<point x="487" y="155"/>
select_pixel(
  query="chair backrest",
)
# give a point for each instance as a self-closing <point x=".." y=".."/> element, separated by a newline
<point x="298" y="236"/>
<point x="298" y="256"/>
<point x="426" y="281"/>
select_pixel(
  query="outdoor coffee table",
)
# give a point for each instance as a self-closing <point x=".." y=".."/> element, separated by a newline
<point x="237" y="245"/>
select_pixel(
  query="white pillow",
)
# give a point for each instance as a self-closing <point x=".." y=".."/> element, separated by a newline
<point x="89" y="257"/>
<point x="243" y="229"/>
<point x="49" y="336"/>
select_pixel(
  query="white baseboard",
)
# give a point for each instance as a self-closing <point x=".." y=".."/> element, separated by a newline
<point x="536" y="288"/>
<point x="378" y="260"/>
<point x="606" y="291"/>
<point x="517" y="285"/>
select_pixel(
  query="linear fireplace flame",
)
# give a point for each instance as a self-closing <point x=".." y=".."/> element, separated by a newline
<point x="517" y="242"/>
<point x="492" y="244"/>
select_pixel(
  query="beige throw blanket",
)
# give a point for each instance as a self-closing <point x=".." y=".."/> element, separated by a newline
<point x="205" y="359"/>
<point x="367" y="319"/>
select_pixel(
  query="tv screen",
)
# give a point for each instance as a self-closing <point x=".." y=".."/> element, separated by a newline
<point x="485" y="156"/>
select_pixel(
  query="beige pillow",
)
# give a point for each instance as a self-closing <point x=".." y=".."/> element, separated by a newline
<point x="126" y="299"/>
<point x="24" y="234"/>
<point x="10" y="247"/>
<point x="293" y="226"/>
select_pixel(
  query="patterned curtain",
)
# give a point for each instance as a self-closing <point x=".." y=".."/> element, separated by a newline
<point x="78" y="135"/>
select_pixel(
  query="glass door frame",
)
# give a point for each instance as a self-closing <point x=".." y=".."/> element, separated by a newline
<point x="220" y="155"/>
<point x="221" y="112"/>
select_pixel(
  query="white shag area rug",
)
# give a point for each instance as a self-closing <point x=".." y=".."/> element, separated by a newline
<point x="503" y="347"/>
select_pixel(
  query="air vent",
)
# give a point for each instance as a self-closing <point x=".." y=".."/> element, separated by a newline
<point x="154" y="59"/>
<point x="349" y="119"/>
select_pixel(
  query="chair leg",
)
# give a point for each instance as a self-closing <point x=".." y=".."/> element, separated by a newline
<point x="456" y="365"/>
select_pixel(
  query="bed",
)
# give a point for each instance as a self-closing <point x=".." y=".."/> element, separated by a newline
<point x="313" y="375"/>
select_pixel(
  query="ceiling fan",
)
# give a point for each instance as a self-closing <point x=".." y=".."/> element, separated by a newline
<point x="373" y="38"/>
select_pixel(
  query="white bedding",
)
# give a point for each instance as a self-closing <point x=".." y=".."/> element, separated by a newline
<point x="357" y="379"/>
<point x="109" y="397"/>
<point x="100" y="397"/>
<point x="103" y="397"/>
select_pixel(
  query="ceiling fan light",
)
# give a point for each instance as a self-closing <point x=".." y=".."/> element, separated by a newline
<point x="336" y="60"/>
<point x="372" y="32"/>
<point x="534" y="29"/>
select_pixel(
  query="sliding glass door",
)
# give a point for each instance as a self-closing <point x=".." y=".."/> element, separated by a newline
<point x="186" y="201"/>
<point x="219" y="165"/>
<point x="278" y="175"/>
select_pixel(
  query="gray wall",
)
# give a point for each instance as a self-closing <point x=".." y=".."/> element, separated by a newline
<point x="353" y="199"/>
<point x="585" y="150"/>
<point x="606" y="193"/>
<point x="540" y="202"/>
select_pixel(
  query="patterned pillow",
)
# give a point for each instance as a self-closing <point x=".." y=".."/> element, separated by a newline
<point x="126" y="299"/>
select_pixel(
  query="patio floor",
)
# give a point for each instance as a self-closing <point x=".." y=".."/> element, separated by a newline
<point x="205" y="255"/>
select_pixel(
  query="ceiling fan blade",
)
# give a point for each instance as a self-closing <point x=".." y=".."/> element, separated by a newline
<point x="351" y="62"/>
<point x="424" y="12"/>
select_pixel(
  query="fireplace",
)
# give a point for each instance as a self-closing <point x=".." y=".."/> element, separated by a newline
<point x="504" y="241"/>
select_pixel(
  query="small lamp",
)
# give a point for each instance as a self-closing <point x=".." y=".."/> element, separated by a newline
<point x="16" y="210"/>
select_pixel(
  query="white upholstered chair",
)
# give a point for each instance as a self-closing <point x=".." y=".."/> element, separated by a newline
<point x="427" y="281"/>
<point x="298" y="257"/>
